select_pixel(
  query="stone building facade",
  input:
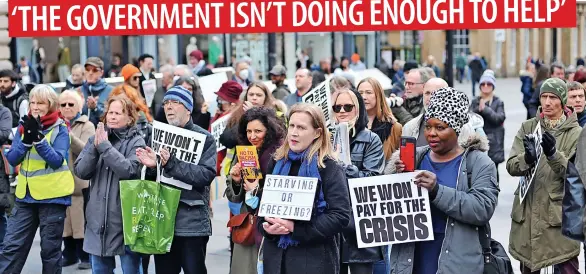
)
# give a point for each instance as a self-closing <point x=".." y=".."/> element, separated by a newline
<point x="4" y="39"/>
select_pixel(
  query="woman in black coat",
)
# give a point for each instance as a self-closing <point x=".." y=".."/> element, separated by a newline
<point x="304" y="247"/>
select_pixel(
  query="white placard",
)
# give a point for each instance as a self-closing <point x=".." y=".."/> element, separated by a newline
<point x="210" y="84"/>
<point x="218" y="128"/>
<point x="320" y="96"/>
<point x="149" y="87"/>
<point x="526" y="181"/>
<point x="390" y="209"/>
<point x="186" y="145"/>
<point x="288" y="197"/>
<point x="342" y="142"/>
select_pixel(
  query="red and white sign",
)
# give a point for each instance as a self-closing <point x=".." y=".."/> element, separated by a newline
<point x="28" y="18"/>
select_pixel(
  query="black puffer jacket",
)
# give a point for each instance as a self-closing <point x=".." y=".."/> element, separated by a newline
<point x="367" y="156"/>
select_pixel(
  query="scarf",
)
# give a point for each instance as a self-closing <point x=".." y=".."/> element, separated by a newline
<point x="47" y="121"/>
<point x="382" y="129"/>
<point x="551" y="124"/>
<point x="307" y="169"/>
<point x="75" y="118"/>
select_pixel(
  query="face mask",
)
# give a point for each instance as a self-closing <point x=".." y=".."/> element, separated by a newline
<point x="251" y="201"/>
<point x="175" y="78"/>
<point x="243" y="74"/>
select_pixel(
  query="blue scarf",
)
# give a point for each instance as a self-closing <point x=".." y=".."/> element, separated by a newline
<point x="307" y="169"/>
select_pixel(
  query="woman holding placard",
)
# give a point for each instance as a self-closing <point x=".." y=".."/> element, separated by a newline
<point x="305" y="247"/>
<point x="463" y="191"/>
<point x="366" y="159"/>
<point x="107" y="158"/>
<point x="259" y="128"/>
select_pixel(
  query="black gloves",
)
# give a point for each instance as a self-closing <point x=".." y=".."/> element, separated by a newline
<point x="32" y="130"/>
<point x="530" y="153"/>
<point x="548" y="144"/>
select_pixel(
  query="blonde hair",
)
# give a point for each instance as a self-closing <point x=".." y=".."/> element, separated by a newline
<point x="383" y="111"/>
<point x="128" y="107"/>
<point x="354" y="100"/>
<point x="45" y="93"/>
<point x="320" y="146"/>
<point x="66" y="94"/>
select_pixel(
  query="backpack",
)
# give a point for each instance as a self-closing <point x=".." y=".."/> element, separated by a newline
<point x="573" y="203"/>
<point x="495" y="257"/>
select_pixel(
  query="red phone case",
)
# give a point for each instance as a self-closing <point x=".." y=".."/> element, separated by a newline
<point x="408" y="153"/>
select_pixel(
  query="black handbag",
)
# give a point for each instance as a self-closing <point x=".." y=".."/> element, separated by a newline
<point x="495" y="257"/>
<point x="573" y="203"/>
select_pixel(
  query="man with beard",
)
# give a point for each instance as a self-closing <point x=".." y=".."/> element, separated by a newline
<point x="278" y="76"/>
<point x="192" y="222"/>
<point x="14" y="96"/>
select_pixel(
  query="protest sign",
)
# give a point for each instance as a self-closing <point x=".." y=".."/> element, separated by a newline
<point x="288" y="197"/>
<point x="186" y="145"/>
<point x="218" y="128"/>
<point x="149" y="87"/>
<point x="248" y="159"/>
<point x="390" y="209"/>
<point x="342" y="142"/>
<point x="526" y="181"/>
<point x="320" y="96"/>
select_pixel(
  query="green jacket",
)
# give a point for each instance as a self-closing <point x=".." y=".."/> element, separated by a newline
<point x="536" y="239"/>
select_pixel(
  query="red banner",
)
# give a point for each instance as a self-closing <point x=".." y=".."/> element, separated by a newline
<point x="34" y="18"/>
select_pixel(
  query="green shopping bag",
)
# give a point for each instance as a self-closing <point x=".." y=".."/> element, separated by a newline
<point x="148" y="214"/>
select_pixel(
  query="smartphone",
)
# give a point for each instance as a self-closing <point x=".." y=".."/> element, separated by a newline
<point x="407" y="152"/>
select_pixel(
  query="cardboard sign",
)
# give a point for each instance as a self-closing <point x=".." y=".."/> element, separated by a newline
<point x="210" y="84"/>
<point x="187" y="146"/>
<point x="320" y="96"/>
<point x="248" y="159"/>
<point x="390" y="209"/>
<point x="149" y="87"/>
<point x="526" y="181"/>
<point x="217" y="128"/>
<point x="288" y="197"/>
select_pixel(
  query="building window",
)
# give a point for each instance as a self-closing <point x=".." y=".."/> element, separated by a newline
<point x="255" y="47"/>
<point x="461" y="42"/>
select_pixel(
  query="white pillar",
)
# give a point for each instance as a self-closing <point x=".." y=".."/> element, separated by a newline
<point x="82" y="49"/>
<point x="149" y="46"/>
<point x="290" y="57"/>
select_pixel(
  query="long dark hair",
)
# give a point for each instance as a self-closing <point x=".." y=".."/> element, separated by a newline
<point x="268" y="117"/>
<point x="197" y="94"/>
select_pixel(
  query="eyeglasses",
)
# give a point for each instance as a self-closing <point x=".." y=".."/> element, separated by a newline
<point x="94" y="70"/>
<point x="171" y="102"/>
<point x="347" y="108"/>
<point x="407" y="84"/>
<point x="67" y="105"/>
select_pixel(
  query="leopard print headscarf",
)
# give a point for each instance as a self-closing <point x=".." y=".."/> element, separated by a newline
<point x="449" y="106"/>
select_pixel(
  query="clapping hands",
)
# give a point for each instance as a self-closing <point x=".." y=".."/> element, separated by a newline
<point x="101" y="135"/>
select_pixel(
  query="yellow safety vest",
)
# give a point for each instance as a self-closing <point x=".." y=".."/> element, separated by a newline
<point x="44" y="182"/>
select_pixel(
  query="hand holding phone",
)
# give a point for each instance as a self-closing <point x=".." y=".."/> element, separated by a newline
<point x="407" y="153"/>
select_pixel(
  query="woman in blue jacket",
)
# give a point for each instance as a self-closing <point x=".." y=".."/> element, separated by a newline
<point x="45" y="184"/>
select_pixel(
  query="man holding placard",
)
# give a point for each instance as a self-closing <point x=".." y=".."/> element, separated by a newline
<point x="536" y="238"/>
<point x="187" y="156"/>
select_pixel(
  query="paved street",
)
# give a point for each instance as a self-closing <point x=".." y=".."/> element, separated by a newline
<point x="218" y="256"/>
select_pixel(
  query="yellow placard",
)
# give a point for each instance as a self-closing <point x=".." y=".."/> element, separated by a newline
<point x="248" y="159"/>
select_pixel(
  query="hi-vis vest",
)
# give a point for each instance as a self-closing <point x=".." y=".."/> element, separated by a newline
<point x="44" y="182"/>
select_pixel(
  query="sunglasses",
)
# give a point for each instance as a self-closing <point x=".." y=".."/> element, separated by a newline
<point x="347" y="108"/>
<point x="67" y="105"/>
<point x="135" y="78"/>
<point x="94" y="70"/>
<point x="486" y="85"/>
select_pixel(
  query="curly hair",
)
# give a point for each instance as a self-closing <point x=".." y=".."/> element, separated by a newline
<point x="268" y="117"/>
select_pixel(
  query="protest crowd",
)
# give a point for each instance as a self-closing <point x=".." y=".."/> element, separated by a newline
<point x="75" y="160"/>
